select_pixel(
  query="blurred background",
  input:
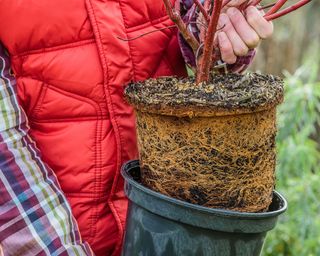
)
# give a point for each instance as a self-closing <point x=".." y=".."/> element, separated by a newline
<point x="294" y="53"/>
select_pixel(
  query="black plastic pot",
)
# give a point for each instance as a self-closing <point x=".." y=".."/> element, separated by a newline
<point x="160" y="225"/>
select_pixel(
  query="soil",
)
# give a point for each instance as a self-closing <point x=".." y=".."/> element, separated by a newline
<point x="211" y="145"/>
<point x="225" y="94"/>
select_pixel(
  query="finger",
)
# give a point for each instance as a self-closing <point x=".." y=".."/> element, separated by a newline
<point x="245" y="31"/>
<point x="235" y="3"/>
<point x="226" y="49"/>
<point x="256" y="20"/>
<point x="239" y="47"/>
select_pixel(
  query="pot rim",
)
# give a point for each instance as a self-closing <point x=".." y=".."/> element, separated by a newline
<point x="212" y="211"/>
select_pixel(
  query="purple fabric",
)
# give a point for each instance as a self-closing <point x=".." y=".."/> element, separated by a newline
<point x="190" y="15"/>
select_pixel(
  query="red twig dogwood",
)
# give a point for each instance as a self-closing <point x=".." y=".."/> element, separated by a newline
<point x="205" y="49"/>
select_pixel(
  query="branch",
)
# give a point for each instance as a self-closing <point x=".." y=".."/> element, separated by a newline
<point x="249" y="3"/>
<point x="225" y="2"/>
<point x="265" y="6"/>
<point x="206" y="59"/>
<point x="276" y="7"/>
<point x="203" y="30"/>
<point x="244" y="5"/>
<point x="287" y="10"/>
<point x="176" y="18"/>
<point x="193" y="11"/>
<point x="147" y="33"/>
<point x="202" y="10"/>
<point x="177" y="6"/>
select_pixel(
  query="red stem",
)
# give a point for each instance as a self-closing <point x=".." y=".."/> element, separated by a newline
<point x="287" y="10"/>
<point x="206" y="59"/>
<point x="193" y="10"/>
<point x="265" y="6"/>
<point x="202" y="10"/>
<point x="244" y="5"/>
<point x="177" y="6"/>
<point x="276" y="7"/>
<point x="203" y="30"/>
<point x="225" y="2"/>
<point x="176" y="18"/>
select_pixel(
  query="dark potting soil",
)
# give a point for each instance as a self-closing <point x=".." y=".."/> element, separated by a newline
<point x="228" y="92"/>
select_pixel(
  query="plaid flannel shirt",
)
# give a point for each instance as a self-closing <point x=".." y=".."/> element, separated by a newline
<point x="35" y="217"/>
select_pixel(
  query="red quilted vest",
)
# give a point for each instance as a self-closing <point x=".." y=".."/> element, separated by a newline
<point x="71" y="70"/>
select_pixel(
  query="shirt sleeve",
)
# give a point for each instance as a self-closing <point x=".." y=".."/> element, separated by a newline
<point x="35" y="217"/>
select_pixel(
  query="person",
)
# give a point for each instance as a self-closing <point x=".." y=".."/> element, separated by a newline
<point x="65" y="129"/>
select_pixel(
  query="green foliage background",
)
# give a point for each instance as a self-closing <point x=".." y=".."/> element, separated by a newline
<point x="298" y="171"/>
<point x="294" y="52"/>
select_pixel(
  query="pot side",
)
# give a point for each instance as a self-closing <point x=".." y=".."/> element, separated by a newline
<point x="161" y="225"/>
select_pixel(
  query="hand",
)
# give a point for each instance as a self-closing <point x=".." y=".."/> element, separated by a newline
<point x="241" y="32"/>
